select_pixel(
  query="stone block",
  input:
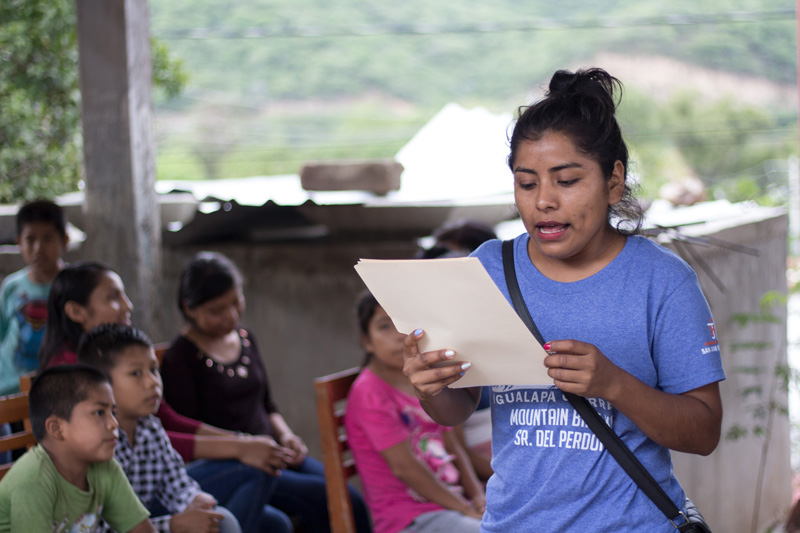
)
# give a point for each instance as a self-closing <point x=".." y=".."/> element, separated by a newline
<point x="379" y="177"/>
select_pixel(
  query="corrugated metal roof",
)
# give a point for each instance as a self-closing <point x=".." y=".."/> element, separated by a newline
<point x="455" y="167"/>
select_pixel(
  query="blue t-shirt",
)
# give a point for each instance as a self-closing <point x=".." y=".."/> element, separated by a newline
<point x="646" y="313"/>
<point x="23" y="314"/>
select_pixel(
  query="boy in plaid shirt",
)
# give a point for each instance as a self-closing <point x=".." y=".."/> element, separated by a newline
<point x="155" y="470"/>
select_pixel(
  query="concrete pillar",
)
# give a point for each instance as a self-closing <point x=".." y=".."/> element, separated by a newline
<point x="121" y="212"/>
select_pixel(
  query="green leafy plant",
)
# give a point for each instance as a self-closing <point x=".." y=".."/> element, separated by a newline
<point x="771" y="380"/>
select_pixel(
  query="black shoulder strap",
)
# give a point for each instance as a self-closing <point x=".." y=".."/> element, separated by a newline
<point x="624" y="456"/>
<point x="513" y="289"/>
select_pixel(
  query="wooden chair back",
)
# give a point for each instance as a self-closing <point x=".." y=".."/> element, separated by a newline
<point x="26" y="380"/>
<point x="14" y="408"/>
<point x="160" y="349"/>
<point x="331" y="392"/>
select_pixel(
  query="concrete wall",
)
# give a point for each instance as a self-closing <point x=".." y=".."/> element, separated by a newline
<point x="725" y="485"/>
<point x="300" y="305"/>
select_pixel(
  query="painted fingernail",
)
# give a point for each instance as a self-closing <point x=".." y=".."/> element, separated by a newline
<point x="417" y="332"/>
<point x="466" y="366"/>
<point x="546" y="346"/>
<point x="449" y="354"/>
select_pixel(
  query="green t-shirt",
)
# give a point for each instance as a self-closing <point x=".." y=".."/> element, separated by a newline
<point x="35" y="498"/>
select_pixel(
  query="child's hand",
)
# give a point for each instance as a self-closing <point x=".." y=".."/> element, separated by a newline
<point x="262" y="452"/>
<point x="470" y="510"/>
<point x="296" y="445"/>
<point x="202" y="500"/>
<point x="474" y="513"/>
<point x="194" y="520"/>
<point x="479" y="503"/>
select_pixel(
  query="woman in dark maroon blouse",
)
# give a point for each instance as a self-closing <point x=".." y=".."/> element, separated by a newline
<point x="213" y="372"/>
<point x="235" y="385"/>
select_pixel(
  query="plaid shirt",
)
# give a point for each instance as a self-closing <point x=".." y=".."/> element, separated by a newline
<point x="155" y="470"/>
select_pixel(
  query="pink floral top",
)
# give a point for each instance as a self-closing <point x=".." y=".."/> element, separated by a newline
<point x="379" y="417"/>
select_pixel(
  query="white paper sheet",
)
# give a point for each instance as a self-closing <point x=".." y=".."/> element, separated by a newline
<point x="458" y="305"/>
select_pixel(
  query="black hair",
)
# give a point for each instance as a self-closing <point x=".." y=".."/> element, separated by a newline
<point x="57" y="390"/>
<point x="100" y="347"/>
<point x="366" y="305"/>
<point x="582" y="105"/>
<point x="208" y="276"/>
<point x="75" y="282"/>
<point x="42" y="211"/>
<point x="468" y="234"/>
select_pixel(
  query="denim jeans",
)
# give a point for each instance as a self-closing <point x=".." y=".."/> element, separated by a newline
<point x="245" y="491"/>
<point x="300" y="492"/>
<point x="229" y="523"/>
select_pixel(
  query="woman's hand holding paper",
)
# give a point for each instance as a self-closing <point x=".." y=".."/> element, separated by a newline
<point x="581" y="368"/>
<point x="425" y="370"/>
<point x="430" y="373"/>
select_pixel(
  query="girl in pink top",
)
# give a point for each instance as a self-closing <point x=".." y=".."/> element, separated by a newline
<point x="416" y="477"/>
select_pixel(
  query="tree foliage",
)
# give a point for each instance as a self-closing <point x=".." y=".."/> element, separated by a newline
<point x="726" y="144"/>
<point x="40" y="138"/>
<point x="40" y="153"/>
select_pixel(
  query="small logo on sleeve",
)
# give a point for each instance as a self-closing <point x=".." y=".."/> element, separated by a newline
<point x="713" y="344"/>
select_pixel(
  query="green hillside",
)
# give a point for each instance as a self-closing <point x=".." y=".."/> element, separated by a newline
<point x="275" y="83"/>
<point x="429" y="52"/>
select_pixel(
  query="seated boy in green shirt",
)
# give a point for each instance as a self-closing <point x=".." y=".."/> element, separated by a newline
<point x="70" y="479"/>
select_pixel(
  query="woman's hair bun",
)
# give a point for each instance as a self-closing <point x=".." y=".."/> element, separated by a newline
<point x="563" y="81"/>
<point x="595" y="83"/>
